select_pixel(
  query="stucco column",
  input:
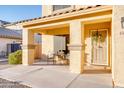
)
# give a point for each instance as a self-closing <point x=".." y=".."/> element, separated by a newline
<point x="75" y="47"/>
<point x="28" y="47"/>
<point x="118" y="46"/>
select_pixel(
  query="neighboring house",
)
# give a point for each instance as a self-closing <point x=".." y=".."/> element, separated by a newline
<point x="8" y="36"/>
<point x="94" y="34"/>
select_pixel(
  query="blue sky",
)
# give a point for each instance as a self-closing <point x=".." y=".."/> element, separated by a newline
<point x="13" y="13"/>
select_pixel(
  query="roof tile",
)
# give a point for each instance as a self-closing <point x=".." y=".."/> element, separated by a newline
<point x="60" y="13"/>
<point x="4" y="32"/>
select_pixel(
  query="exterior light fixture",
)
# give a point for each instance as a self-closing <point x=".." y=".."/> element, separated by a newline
<point x="122" y="22"/>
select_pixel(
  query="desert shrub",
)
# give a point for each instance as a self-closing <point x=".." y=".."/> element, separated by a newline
<point x="16" y="57"/>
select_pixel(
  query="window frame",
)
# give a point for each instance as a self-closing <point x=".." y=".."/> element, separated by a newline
<point x="61" y="10"/>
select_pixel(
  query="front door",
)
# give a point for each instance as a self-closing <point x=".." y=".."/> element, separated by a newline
<point x="99" y="44"/>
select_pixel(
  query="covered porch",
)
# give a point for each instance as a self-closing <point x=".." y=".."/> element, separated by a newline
<point x="75" y="27"/>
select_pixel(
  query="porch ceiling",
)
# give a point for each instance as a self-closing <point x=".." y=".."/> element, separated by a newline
<point x="50" y="27"/>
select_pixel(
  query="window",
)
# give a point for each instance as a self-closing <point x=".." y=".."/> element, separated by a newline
<point x="57" y="7"/>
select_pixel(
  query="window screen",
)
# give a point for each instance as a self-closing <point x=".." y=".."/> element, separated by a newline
<point x="57" y="7"/>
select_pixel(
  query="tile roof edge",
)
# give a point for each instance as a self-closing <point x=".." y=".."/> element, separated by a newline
<point x="54" y="14"/>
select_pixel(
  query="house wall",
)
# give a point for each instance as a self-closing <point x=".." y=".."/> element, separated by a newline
<point x="96" y="26"/>
<point x="46" y="10"/>
<point x="118" y="46"/>
<point x="4" y="42"/>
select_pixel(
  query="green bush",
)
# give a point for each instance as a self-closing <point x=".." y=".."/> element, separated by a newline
<point x="16" y="57"/>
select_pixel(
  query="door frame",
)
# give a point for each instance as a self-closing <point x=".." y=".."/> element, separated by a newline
<point x="107" y="64"/>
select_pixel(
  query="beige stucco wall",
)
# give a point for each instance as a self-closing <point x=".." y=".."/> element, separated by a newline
<point x="118" y="46"/>
<point x="88" y="28"/>
<point x="46" y="10"/>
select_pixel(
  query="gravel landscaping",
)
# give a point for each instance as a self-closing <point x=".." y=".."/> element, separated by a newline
<point x="10" y="84"/>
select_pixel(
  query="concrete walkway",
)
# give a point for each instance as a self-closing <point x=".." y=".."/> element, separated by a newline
<point x="54" y="76"/>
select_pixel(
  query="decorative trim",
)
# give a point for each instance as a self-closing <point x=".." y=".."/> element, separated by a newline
<point x="75" y="47"/>
<point x="30" y="46"/>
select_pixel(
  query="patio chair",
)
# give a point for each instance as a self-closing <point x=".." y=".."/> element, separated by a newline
<point x="51" y="57"/>
<point x="62" y="57"/>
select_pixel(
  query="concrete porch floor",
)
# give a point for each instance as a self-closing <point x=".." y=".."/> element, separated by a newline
<point x="40" y="75"/>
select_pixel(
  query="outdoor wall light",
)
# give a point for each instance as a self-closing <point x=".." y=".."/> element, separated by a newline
<point x="122" y="22"/>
